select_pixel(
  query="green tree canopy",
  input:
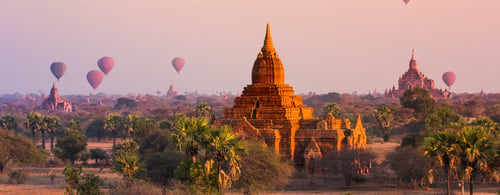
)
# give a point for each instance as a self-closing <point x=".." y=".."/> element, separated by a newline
<point x="18" y="150"/>
<point x="419" y="100"/>
<point x="384" y="116"/>
<point x="71" y="144"/>
<point x="8" y="122"/>
<point x="262" y="169"/>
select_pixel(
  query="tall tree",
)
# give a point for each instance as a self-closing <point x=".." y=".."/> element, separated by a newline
<point x="442" y="118"/>
<point x="71" y="144"/>
<point x="332" y="108"/>
<point x="33" y="122"/>
<point x="419" y="100"/>
<point x="188" y="135"/>
<point x="262" y="169"/>
<point x="203" y="110"/>
<point x="442" y="146"/>
<point x="50" y="124"/>
<point x="474" y="146"/>
<point x="8" y="122"/>
<point x="19" y="150"/>
<point x="384" y="118"/>
<point x="225" y="147"/>
<point x="113" y="124"/>
<point x="127" y="160"/>
<point x="74" y="125"/>
<point x="130" y="123"/>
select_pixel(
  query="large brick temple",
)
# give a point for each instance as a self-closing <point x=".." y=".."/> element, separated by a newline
<point x="269" y="110"/>
<point x="413" y="78"/>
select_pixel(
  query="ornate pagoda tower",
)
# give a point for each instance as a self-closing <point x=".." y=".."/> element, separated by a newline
<point x="54" y="102"/>
<point x="270" y="104"/>
<point x="269" y="110"/>
<point x="413" y="78"/>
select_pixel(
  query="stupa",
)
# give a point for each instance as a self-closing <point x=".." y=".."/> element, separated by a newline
<point x="269" y="110"/>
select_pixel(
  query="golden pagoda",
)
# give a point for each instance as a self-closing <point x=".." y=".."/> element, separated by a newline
<point x="268" y="109"/>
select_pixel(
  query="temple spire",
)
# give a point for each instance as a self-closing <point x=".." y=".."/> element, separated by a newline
<point x="413" y="61"/>
<point x="268" y="41"/>
<point x="54" y="85"/>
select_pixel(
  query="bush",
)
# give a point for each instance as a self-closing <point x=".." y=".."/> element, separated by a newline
<point x="98" y="154"/>
<point x="91" y="184"/>
<point x="18" y="176"/>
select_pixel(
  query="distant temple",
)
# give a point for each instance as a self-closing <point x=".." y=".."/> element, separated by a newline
<point x="171" y="91"/>
<point x="268" y="110"/>
<point x="413" y="78"/>
<point x="56" y="103"/>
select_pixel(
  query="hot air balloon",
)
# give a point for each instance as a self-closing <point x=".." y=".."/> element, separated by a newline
<point x="449" y="78"/>
<point x="58" y="69"/>
<point x="406" y="1"/>
<point x="178" y="63"/>
<point x="95" y="78"/>
<point x="106" y="64"/>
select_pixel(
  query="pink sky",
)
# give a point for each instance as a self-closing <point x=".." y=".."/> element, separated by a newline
<point x="326" y="46"/>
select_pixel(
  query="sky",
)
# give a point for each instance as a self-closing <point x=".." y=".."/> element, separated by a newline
<point x="325" y="45"/>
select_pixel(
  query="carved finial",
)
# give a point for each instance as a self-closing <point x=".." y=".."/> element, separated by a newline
<point x="413" y="54"/>
<point x="268" y="41"/>
<point x="54" y="85"/>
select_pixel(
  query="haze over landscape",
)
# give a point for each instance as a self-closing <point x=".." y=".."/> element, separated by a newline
<point x="326" y="46"/>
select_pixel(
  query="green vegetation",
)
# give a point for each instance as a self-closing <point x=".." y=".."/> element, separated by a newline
<point x="70" y="145"/>
<point x="173" y="148"/>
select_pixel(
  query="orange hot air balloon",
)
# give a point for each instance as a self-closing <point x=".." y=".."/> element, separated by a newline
<point x="449" y="78"/>
<point x="406" y="1"/>
<point x="58" y="69"/>
<point x="95" y="77"/>
<point x="106" y="64"/>
<point x="178" y="64"/>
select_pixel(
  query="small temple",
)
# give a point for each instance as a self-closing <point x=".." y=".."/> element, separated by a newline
<point x="56" y="103"/>
<point x="269" y="110"/>
<point x="413" y="78"/>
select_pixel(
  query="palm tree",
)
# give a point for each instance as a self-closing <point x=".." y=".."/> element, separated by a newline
<point x="384" y="117"/>
<point x="442" y="146"/>
<point x="113" y="123"/>
<point x="50" y="124"/>
<point x="474" y="146"/>
<point x="204" y="110"/>
<point x="33" y="122"/>
<point x="8" y="122"/>
<point x="130" y="123"/>
<point x="332" y="108"/>
<point x="127" y="165"/>
<point x="188" y="135"/>
<point x="224" y="146"/>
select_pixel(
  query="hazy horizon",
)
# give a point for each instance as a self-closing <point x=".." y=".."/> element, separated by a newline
<point x="326" y="46"/>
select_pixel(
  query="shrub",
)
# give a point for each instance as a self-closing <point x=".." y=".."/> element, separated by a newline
<point x="18" y="176"/>
<point x="91" y="184"/>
